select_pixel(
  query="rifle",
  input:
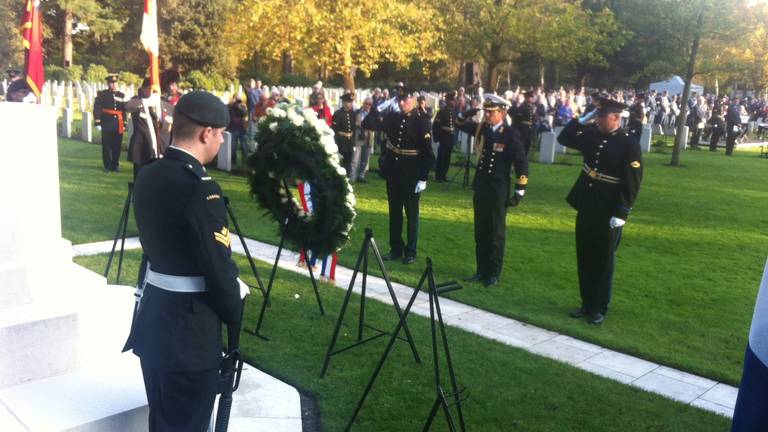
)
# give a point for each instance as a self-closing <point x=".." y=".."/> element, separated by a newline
<point x="231" y="369"/>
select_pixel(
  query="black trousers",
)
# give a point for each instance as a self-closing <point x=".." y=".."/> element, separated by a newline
<point x="490" y="232"/>
<point x="402" y="197"/>
<point x="730" y="139"/>
<point x="596" y="244"/>
<point x="714" y="139"/>
<point x="346" y="160"/>
<point x="110" y="149"/>
<point x="179" y="401"/>
<point x="443" y="157"/>
<point x="696" y="137"/>
<point x="526" y="133"/>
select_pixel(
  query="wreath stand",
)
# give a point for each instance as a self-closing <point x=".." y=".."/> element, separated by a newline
<point x="122" y="228"/>
<point x="369" y="244"/>
<point x="441" y="397"/>
<point x="270" y="284"/>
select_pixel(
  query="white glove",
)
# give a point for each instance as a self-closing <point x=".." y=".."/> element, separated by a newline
<point x="244" y="289"/>
<point x="520" y="192"/>
<point x="98" y="128"/>
<point x="420" y="186"/>
<point x="616" y="222"/>
<point x="586" y="118"/>
<point x="153" y="99"/>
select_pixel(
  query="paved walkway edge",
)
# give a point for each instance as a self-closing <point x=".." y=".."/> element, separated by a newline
<point x="671" y="383"/>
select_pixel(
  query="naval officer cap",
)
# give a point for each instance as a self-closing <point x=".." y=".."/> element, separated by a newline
<point x="112" y="78"/>
<point x="609" y="106"/>
<point x="492" y="102"/>
<point x="347" y="97"/>
<point x="204" y="109"/>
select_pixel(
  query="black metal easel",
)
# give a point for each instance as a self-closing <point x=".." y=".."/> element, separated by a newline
<point x="245" y="248"/>
<point x="441" y="399"/>
<point x="260" y="322"/>
<point x="466" y="168"/>
<point x="122" y="228"/>
<point x="369" y="244"/>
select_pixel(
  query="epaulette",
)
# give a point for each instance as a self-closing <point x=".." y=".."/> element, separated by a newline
<point x="201" y="176"/>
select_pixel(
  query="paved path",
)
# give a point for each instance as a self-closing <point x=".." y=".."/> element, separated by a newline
<point x="694" y="390"/>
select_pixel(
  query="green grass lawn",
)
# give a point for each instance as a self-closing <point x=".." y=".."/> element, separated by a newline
<point x="509" y="389"/>
<point x="687" y="273"/>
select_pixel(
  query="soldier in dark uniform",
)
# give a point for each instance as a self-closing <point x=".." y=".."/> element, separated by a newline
<point x="442" y="130"/>
<point x="405" y="164"/>
<point x="109" y="117"/>
<point x="189" y="281"/>
<point x="500" y="148"/>
<point x="732" y="126"/>
<point x="343" y="125"/>
<point x="603" y="196"/>
<point x="524" y="118"/>
<point x="637" y="117"/>
<point x="716" y="128"/>
<point x="144" y="144"/>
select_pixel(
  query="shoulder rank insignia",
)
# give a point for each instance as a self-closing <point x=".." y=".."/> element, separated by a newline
<point x="427" y="136"/>
<point x="212" y="197"/>
<point x="635" y="164"/>
<point x="223" y="237"/>
<point x="522" y="180"/>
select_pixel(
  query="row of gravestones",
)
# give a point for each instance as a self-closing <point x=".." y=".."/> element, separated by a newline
<point x="550" y="147"/>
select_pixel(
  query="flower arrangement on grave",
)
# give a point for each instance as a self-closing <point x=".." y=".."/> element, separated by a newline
<point x="295" y="145"/>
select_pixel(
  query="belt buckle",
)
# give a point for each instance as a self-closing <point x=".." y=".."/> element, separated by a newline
<point x="593" y="173"/>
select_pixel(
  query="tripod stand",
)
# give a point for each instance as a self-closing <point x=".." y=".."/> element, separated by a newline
<point x="122" y="227"/>
<point x="441" y="399"/>
<point x="255" y="332"/>
<point x="369" y="244"/>
<point x="245" y="248"/>
<point x="465" y="170"/>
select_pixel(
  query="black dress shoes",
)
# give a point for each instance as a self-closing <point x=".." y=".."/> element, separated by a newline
<point x="474" y="278"/>
<point x="391" y="257"/>
<point x="409" y="259"/>
<point x="491" y="281"/>
<point x="578" y="313"/>
<point x="596" y="318"/>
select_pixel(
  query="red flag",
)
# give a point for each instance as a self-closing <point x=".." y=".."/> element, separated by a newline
<point x="149" y="39"/>
<point x="32" y="38"/>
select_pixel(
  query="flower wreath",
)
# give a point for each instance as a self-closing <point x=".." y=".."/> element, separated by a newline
<point x="295" y="144"/>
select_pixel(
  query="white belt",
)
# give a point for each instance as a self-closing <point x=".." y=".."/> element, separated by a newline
<point x="183" y="284"/>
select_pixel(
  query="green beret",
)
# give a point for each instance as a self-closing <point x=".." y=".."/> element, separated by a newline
<point x="204" y="109"/>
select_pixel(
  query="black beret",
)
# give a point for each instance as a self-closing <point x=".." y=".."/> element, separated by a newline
<point x="112" y="78"/>
<point x="406" y="92"/>
<point x="608" y="106"/>
<point x="204" y="109"/>
<point x="347" y="97"/>
<point x="13" y="73"/>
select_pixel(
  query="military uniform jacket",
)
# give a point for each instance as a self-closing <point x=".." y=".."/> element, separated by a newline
<point x="182" y="222"/>
<point x="343" y="125"/>
<point x="524" y="116"/>
<point x="610" y="177"/>
<point x="637" y="114"/>
<point x="113" y="103"/>
<point x="500" y="152"/>
<point x="442" y="128"/>
<point x="408" y="156"/>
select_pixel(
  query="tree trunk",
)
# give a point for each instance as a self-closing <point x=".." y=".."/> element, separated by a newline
<point x="66" y="54"/>
<point x="491" y="64"/>
<point x="542" y="70"/>
<point x="257" y="62"/>
<point x="717" y="88"/>
<point x="462" y="73"/>
<point x="686" y="94"/>
<point x="287" y="62"/>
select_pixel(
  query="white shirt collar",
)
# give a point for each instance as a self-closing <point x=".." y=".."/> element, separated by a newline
<point x="496" y="127"/>
<point x="183" y="150"/>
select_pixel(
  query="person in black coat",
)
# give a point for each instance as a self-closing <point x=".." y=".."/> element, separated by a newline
<point x="144" y="145"/>
<point x="109" y="117"/>
<point x="603" y="196"/>
<point x="524" y="119"/>
<point x="637" y="117"/>
<point x="732" y="126"/>
<point x="344" y="126"/>
<point x="405" y="165"/>
<point x="442" y="130"/>
<point x="189" y="283"/>
<point x="500" y="149"/>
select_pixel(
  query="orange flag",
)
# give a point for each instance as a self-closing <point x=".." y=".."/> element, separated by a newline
<point x="32" y="35"/>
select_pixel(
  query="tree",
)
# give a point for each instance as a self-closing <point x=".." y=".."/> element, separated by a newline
<point x="90" y="17"/>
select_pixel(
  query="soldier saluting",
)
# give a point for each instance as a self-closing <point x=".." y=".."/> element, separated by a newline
<point x="500" y="148"/>
<point x="109" y="117"/>
<point x="603" y="196"/>
<point x="405" y="164"/>
<point x="189" y="283"/>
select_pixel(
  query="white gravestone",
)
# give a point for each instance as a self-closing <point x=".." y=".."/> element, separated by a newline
<point x="87" y="126"/>
<point x="559" y="148"/>
<point x="645" y="139"/>
<point x="66" y="123"/>
<point x="548" y="143"/>
<point x="224" y="159"/>
<point x="685" y="138"/>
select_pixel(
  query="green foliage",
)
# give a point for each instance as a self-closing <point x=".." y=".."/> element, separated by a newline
<point x="296" y="80"/>
<point x="96" y="73"/>
<point x="210" y="81"/>
<point x="131" y="78"/>
<point x="60" y="73"/>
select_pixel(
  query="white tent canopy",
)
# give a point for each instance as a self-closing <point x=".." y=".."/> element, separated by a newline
<point x="674" y="86"/>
